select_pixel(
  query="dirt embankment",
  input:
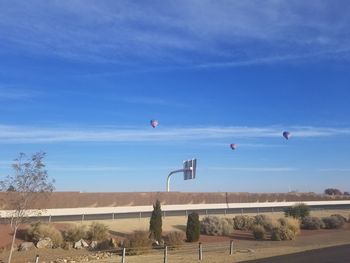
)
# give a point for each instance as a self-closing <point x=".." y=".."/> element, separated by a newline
<point x="77" y="199"/>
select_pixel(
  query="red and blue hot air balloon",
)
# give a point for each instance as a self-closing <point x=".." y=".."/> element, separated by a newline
<point x="154" y="123"/>
<point x="233" y="146"/>
<point x="286" y="135"/>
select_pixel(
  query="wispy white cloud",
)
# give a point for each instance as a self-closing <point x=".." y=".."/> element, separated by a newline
<point x="346" y="170"/>
<point x="252" y="169"/>
<point x="100" y="168"/>
<point x="179" y="33"/>
<point x="24" y="134"/>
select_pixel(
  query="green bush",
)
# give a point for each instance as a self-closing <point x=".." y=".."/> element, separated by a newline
<point x="174" y="239"/>
<point x="38" y="230"/>
<point x="243" y="222"/>
<point x="97" y="231"/>
<point x="258" y="232"/>
<point x="312" y="223"/>
<point x="282" y="233"/>
<point x="215" y="226"/>
<point x="137" y="243"/>
<point x="193" y="228"/>
<point x="333" y="222"/>
<point x="155" y="224"/>
<point x="75" y="233"/>
<point x="298" y="211"/>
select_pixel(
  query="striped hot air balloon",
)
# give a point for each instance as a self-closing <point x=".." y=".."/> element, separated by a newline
<point x="154" y="123"/>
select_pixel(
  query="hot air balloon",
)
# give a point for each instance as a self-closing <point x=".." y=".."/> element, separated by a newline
<point x="233" y="146"/>
<point x="154" y="123"/>
<point x="286" y="135"/>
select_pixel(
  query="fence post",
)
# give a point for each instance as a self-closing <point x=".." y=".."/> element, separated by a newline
<point x="165" y="254"/>
<point x="37" y="259"/>
<point x="123" y="255"/>
<point x="50" y="219"/>
<point x="231" y="247"/>
<point x="200" y="251"/>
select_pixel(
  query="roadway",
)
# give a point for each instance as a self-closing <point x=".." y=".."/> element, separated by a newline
<point x="337" y="254"/>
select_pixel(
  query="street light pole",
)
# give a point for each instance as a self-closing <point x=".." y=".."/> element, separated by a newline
<point x="168" y="179"/>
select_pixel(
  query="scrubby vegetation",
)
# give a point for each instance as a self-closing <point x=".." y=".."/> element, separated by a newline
<point x="243" y="222"/>
<point x="137" y="243"/>
<point x="75" y="233"/>
<point x="297" y="211"/>
<point x="311" y="223"/>
<point x="215" y="226"/>
<point x="174" y="239"/>
<point x="193" y="228"/>
<point x="291" y="223"/>
<point x="97" y="231"/>
<point x="281" y="229"/>
<point x="38" y="231"/>
<point x="282" y="233"/>
<point x="266" y="222"/>
<point x="333" y="222"/>
<point x="258" y="232"/>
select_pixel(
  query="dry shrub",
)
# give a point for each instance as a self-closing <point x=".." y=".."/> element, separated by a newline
<point x="258" y="232"/>
<point x="38" y="230"/>
<point x="137" y="243"/>
<point x="243" y="222"/>
<point x="105" y="245"/>
<point x="312" y="223"/>
<point x="292" y="223"/>
<point x="340" y="217"/>
<point x="267" y="222"/>
<point x="175" y="239"/>
<point x="333" y="222"/>
<point x="97" y="231"/>
<point x="282" y="233"/>
<point x="75" y="233"/>
<point x="215" y="226"/>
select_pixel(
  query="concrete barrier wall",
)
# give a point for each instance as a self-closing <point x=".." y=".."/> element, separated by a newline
<point x="143" y="209"/>
<point x="75" y="199"/>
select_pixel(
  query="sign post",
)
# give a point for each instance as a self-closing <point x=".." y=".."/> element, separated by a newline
<point x="189" y="170"/>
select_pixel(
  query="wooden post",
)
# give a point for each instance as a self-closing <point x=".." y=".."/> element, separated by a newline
<point x="123" y="255"/>
<point x="50" y="219"/>
<point x="231" y="247"/>
<point x="165" y="254"/>
<point x="37" y="259"/>
<point x="200" y="251"/>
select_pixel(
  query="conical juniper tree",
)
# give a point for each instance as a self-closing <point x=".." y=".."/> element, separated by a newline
<point x="155" y="224"/>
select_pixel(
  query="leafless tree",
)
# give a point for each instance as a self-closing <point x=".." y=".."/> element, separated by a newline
<point x="30" y="180"/>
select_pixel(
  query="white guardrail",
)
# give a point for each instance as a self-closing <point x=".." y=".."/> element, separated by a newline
<point x="149" y="208"/>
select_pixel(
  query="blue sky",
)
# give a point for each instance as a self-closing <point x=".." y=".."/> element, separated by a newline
<point x="81" y="80"/>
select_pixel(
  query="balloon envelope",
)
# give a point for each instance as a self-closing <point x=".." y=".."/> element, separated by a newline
<point x="233" y="146"/>
<point x="154" y="123"/>
<point x="286" y="135"/>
